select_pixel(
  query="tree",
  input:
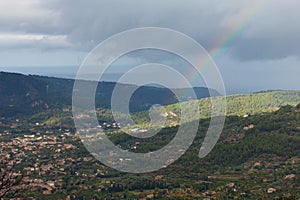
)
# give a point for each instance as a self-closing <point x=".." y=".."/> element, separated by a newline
<point x="10" y="181"/>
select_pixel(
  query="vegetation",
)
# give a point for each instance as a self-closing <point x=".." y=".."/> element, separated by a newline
<point x="256" y="157"/>
<point x="237" y="105"/>
<point x="21" y="94"/>
<point x="10" y="180"/>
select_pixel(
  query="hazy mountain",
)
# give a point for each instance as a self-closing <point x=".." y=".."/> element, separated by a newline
<point x="29" y="93"/>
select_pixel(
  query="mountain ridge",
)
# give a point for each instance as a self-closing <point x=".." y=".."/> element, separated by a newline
<point x="29" y="93"/>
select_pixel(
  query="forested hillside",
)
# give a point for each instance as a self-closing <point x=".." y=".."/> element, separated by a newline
<point x="24" y="94"/>
<point x="237" y="105"/>
<point x="257" y="157"/>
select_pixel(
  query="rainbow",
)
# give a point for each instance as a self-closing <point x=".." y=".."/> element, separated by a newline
<point x="238" y="26"/>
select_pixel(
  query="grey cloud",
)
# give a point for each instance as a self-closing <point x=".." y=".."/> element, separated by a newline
<point x="89" y="22"/>
<point x="267" y="48"/>
<point x="272" y="34"/>
<point x="28" y="16"/>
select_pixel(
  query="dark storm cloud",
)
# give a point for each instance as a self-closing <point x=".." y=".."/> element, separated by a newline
<point x="89" y="22"/>
<point x="272" y="34"/>
<point x="81" y="24"/>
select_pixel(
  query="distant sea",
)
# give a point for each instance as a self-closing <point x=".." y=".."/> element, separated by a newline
<point x="57" y="71"/>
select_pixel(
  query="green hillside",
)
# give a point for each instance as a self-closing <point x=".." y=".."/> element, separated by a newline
<point x="257" y="157"/>
<point x="237" y="105"/>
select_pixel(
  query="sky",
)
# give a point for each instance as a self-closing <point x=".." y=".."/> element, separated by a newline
<point x="255" y="44"/>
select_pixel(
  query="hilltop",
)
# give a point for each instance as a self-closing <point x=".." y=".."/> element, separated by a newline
<point x="24" y="94"/>
<point x="237" y="105"/>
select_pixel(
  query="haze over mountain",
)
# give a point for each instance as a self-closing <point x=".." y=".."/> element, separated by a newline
<point x="248" y="80"/>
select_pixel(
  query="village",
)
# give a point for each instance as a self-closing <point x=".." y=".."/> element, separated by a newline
<point x="45" y="157"/>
